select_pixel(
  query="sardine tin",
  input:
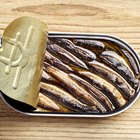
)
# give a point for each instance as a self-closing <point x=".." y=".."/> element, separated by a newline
<point x="121" y="43"/>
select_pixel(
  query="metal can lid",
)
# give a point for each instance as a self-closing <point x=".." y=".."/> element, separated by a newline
<point x="21" y="58"/>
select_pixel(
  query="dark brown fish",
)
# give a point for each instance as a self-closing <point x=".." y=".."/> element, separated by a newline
<point x="81" y="53"/>
<point x="65" y="56"/>
<point x="104" y="100"/>
<point x="46" y="77"/>
<point x="61" y="96"/>
<point x="92" y="45"/>
<point x="56" y="62"/>
<point x="77" y="91"/>
<point x="125" y="54"/>
<point x="47" y="103"/>
<point x="108" y="89"/>
<point x="130" y="60"/>
<point x="116" y="62"/>
<point x="114" y="78"/>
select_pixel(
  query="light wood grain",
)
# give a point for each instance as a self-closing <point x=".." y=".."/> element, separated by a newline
<point x="114" y="17"/>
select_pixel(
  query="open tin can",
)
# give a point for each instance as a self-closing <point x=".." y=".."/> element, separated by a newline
<point x="94" y="37"/>
<point x="79" y="104"/>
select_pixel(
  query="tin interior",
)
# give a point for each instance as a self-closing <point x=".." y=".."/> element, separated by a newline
<point x="100" y="37"/>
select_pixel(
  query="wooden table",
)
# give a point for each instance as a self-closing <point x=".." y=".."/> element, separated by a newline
<point x="115" y="17"/>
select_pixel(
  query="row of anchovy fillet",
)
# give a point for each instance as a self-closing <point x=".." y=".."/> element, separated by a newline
<point x="86" y="76"/>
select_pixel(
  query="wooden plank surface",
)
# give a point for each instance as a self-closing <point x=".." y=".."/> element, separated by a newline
<point x="115" y="17"/>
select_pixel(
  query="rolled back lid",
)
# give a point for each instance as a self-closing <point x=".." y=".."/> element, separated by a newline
<point x="21" y="59"/>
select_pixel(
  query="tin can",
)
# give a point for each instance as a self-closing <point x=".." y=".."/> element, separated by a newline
<point x="104" y="37"/>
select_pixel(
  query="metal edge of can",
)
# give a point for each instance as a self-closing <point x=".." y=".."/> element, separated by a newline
<point x="88" y="36"/>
